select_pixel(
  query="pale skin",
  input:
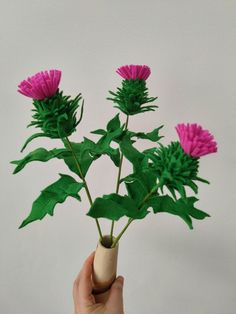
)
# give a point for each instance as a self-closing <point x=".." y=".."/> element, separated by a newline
<point x="84" y="300"/>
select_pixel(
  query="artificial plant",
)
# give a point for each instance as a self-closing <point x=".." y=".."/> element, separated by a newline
<point x="159" y="175"/>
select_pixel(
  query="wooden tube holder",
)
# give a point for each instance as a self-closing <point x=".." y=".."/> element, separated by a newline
<point x="104" y="269"/>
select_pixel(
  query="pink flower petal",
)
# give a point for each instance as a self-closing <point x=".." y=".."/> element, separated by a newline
<point x="41" y="85"/>
<point x="133" y="72"/>
<point x="195" y="141"/>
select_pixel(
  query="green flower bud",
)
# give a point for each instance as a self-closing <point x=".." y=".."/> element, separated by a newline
<point x="132" y="96"/>
<point x="56" y="116"/>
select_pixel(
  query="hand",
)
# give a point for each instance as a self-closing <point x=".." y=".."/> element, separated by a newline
<point x="84" y="300"/>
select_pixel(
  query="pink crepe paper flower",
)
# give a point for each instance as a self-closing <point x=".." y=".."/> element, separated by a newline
<point x="133" y="72"/>
<point x="42" y="85"/>
<point x="195" y="141"/>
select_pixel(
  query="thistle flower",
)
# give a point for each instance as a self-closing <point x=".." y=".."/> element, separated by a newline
<point x="132" y="96"/>
<point x="42" y="85"/>
<point x="56" y="116"/>
<point x="195" y="141"/>
<point x="54" y="113"/>
<point x="174" y="168"/>
<point x="133" y="72"/>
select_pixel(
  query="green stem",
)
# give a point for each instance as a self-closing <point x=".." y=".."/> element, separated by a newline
<point x="121" y="233"/>
<point x="85" y="184"/>
<point x="118" y="179"/>
<point x="153" y="191"/>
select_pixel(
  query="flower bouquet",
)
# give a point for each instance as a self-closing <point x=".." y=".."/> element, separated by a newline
<point x="159" y="175"/>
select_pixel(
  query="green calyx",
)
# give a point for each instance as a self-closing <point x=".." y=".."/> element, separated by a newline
<point x="132" y="97"/>
<point x="56" y="116"/>
<point x="174" y="168"/>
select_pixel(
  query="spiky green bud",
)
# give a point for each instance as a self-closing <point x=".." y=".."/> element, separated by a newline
<point x="56" y="116"/>
<point x="132" y="96"/>
<point x="174" y="168"/>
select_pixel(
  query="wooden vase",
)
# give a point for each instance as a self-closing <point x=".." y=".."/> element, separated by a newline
<point x="104" y="269"/>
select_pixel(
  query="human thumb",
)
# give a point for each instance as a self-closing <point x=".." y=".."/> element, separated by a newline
<point x="116" y="294"/>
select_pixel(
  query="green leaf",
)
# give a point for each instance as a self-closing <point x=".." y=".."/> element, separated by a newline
<point x="87" y="152"/>
<point x="39" y="154"/>
<point x="99" y="132"/>
<point x="130" y="152"/>
<point x="114" y="154"/>
<point x="33" y="137"/>
<point x="113" y="124"/>
<point x="106" y="208"/>
<point x="136" y="190"/>
<point x="152" y="136"/>
<point x="114" y="206"/>
<point x="162" y="204"/>
<point x="103" y="146"/>
<point x="105" y="141"/>
<point x="52" y="195"/>
<point x="83" y="152"/>
<point x="140" y="184"/>
<point x="188" y="206"/>
<point x="183" y="207"/>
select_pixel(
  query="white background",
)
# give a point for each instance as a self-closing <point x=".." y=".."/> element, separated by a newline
<point x="190" y="47"/>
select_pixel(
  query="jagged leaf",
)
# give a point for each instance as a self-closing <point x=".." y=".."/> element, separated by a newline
<point x="112" y="133"/>
<point x="55" y="193"/>
<point x="136" y="190"/>
<point x="114" y="154"/>
<point x="183" y="207"/>
<point x="39" y="154"/>
<point x="82" y="152"/>
<point x="105" y="141"/>
<point x="130" y="152"/>
<point x="140" y="184"/>
<point x="114" y="206"/>
<point x="187" y="205"/>
<point x="152" y="136"/>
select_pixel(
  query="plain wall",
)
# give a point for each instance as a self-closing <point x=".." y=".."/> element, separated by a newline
<point x="190" y="47"/>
